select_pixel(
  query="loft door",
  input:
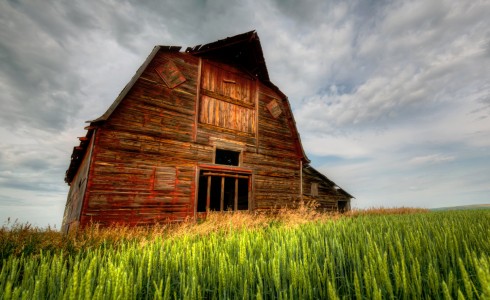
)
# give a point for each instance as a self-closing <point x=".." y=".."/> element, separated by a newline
<point x="227" y="98"/>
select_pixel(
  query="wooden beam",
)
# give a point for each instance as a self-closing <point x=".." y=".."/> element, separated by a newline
<point x="208" y="194"/>
<point x="235" y="208"/>
<point x="301" y="179"/>
<point x="225" y="175"/>
<point x="196" y="191"/>
<point x="222" y="196"/>
<point x="257" y="91"/>
<point x="198" y="98"/>
<point x="251" y="194"/>
<point x="216" y="95"/>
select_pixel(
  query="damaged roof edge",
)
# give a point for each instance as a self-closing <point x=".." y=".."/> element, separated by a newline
<point x="244" y="37"/>
<point x="133" y="80"/>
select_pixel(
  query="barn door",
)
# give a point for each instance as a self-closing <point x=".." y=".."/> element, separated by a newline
<point x="220" y="191"/>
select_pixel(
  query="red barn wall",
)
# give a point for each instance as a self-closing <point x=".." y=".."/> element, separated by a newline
<point x="149" y="154"/>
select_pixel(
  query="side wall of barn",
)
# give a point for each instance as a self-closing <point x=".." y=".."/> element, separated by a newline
<point x="77" y="191"/>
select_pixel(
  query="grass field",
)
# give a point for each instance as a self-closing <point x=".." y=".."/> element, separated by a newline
<point x="399" y="254"/>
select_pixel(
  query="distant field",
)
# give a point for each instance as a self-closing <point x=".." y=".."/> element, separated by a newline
<point x="474" y="206"/>
<point x="378" y="255"/>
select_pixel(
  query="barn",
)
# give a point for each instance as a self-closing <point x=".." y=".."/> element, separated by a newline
<point x="195" y="130"/>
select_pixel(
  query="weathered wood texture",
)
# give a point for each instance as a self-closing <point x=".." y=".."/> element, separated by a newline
<point x="74" y="202"/>
<point x="277" y="163"/>
<point x="144" y="159"/>
<point x="274" y="157"/>
<point x="158" y="142"/>
<point x="323" y="191"/>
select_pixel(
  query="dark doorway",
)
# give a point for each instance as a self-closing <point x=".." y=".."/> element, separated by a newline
<point x="222" y="191"/>
<point x="342" y="206"/>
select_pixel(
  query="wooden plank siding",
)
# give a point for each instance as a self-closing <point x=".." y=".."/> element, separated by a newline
<point x="149" y="133"/>
<point x="276" y="163"/>
<point x="74" y="202"/>
<point x="178" y="134"/>
<point x="326" y="193"/>
<point x="152" y="129"/>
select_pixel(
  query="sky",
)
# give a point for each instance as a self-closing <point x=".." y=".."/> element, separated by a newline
<point x="391" y="98"/>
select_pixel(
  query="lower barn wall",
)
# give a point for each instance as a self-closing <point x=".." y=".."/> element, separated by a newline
<point x="136" y="187"/>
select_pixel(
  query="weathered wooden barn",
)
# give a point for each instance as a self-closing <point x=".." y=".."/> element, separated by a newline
<point x="203" y="129"/>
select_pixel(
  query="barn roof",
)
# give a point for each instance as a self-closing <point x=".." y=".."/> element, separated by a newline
<point x="243" y="50"/>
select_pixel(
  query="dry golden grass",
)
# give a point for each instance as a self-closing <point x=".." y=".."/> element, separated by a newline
<point x="17" y="239"/>
<point x="386" y="211"/>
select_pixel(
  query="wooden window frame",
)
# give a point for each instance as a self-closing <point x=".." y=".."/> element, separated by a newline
<point x="239" y="151"/>
<point x="223" y="171"/>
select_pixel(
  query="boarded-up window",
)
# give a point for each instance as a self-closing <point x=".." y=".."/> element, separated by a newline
<point x="227" y="82"/>
<point x="314" y="189"/>
<point x="227" y="98"/>
<point x="227" y="115"/>
<point x="274" y="109"/>
<point x="164" y="179"/>
<point x="170" y="74"/>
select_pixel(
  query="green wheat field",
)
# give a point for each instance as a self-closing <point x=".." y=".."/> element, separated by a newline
<point x="379" y="255"/>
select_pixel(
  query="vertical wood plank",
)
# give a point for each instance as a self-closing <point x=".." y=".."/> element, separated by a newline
<point x="301" y="180"/>
<point x="222" y="196"/>
<point x="208" y="194"/>
<point x="198" y="95"/>
<point x="251" y="193"/>
<point x="235" y="208"/>
<point x="256" y="116"/>
<point x="196" y="190"/>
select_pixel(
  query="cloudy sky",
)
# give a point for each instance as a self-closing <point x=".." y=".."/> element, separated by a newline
<point x="391" y="98"/>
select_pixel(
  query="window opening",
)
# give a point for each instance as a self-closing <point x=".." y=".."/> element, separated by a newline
<point x="342" y="206"/>
<point x="222" y="191"/>
<point x="227" y="157"/>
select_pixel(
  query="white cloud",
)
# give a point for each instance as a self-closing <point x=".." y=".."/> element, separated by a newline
<point x="335" y="146"/>
<point x="431" y="159"/>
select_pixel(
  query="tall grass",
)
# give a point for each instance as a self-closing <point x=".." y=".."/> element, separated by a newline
<point x="437" y="255"/>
